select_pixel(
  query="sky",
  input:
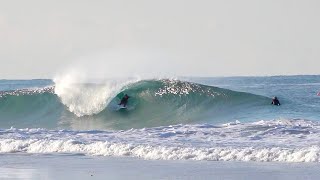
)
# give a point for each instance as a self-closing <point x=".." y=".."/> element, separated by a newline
<point x="117" y="38"/>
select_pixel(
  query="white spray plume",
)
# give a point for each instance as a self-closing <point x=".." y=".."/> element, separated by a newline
<point x="87" y="85"/>
<point x="84" y="98"/>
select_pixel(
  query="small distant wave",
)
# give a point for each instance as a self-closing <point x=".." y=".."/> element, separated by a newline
<point x="22" y="92"/>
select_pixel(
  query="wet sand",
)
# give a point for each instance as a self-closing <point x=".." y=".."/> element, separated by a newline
<point x="75" y="166"/>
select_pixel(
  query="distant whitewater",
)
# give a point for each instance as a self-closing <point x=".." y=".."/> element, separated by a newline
<point x="217" y="119"/>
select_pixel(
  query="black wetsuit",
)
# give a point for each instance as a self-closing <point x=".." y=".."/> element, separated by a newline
<point x="276" y="102"/>
<point x="124" y="101"/>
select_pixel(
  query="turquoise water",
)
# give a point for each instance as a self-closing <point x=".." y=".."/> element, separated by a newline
<point x="298" y="94"/>
<point x="34" y="103"/>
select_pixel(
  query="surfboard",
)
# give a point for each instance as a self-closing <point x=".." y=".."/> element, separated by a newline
<point x="122" y="107"/>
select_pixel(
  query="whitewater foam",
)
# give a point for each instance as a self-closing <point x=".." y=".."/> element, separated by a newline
<point x="274" y="140"/>
<point x="308" y="154"/>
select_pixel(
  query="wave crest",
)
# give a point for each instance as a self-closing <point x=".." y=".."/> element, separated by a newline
<point x="85" y="98"/>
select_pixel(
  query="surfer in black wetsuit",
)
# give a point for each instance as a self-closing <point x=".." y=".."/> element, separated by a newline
<point x="275" y="101"/>
<point x="124" y="100"/>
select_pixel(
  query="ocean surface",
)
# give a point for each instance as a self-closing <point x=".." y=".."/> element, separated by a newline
<point x="207" y="119"/>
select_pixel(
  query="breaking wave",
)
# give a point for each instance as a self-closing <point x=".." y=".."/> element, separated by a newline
<point x="152" y="103"/>
<point x="277" y="140"/>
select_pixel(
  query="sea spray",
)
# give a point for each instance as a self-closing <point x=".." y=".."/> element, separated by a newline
<point x="83" y="98"/>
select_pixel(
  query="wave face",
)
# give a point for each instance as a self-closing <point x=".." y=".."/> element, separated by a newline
<point x="152" y="103"/>
<point x="30" y="108"/>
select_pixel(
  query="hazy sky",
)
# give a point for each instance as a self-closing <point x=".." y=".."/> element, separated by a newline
<point x="40" y="38"/>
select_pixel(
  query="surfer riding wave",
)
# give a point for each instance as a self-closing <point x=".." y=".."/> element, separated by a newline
<point x="124" y="100"/>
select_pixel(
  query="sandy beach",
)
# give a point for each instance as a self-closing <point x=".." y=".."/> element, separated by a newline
<point x="70" y="166"/>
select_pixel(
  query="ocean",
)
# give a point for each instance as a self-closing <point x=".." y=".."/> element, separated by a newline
<point x="187" y="118"/>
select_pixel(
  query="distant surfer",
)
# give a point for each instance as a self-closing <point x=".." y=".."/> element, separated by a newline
<point x="275" y="101"/>
<point x="124" y="100"/>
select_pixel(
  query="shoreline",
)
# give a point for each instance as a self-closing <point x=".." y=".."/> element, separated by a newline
<point x="67" y="166"/>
